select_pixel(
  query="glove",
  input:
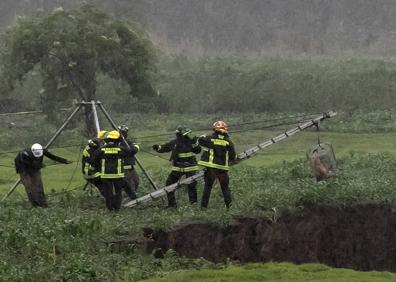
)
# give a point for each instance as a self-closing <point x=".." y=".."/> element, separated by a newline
<point x="156" y="147"/>
<point x="137" y="147"/>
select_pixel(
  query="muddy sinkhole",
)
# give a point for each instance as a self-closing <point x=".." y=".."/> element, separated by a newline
<point x="360" y="236"/>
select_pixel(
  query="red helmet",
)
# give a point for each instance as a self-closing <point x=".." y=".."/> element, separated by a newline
<point x="220" y="126"/>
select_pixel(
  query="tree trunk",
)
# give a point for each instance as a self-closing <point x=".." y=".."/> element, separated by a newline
<point x="90" y="129"/>
<point x="88" y="94"/>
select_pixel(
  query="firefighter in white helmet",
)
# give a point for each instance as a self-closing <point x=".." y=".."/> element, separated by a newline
<point x="28" y="164"/>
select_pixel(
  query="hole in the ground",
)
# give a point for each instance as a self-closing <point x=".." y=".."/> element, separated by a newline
<point x="359" y="236"/>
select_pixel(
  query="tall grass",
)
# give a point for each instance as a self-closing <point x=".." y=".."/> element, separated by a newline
<point x="284" y="272"/>
<point x="276" y="84"/>
<point x="244" y="84"/>
<point x="74" y="239"/>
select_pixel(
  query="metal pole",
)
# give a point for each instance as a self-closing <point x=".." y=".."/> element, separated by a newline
<point x="28" y="113"/>
<point x="46" y="146"/>
<point x="11" y="190"/>
<point x="242" y="156"/>
<point x="123" y="139"/>
<point x="63" y="126"/>
<point x="95" y="114"/>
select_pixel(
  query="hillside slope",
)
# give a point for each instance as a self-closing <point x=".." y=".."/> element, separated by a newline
<point x="252" y="26"/>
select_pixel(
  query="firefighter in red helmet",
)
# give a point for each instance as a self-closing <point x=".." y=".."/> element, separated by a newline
<point x="218" y="153"/>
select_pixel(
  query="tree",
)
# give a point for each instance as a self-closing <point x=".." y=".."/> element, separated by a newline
<point x="70" y="48"/>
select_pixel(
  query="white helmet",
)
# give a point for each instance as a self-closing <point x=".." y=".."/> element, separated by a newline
<point x="37" y="150"/>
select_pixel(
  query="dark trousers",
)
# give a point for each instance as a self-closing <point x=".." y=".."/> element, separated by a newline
<point x="174" y="177"/>
<point x="97" y="182"/>
<point x="132" y="178"/>
<point x="211" y="174"/>
<point x="112" y="192"/>
<point x="34" y="188"/>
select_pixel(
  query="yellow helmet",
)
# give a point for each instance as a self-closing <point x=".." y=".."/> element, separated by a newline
<point x="114" y="134"/>
<point x="102" y="134"/>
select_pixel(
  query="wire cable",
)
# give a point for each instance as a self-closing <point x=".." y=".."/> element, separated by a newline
<point x="75" y="168"/>
<point x="241" y="130"/>
<point x="199" y="129"/>
<point x="155" y="155"/>
<point x="65" y="191"/>
<point x="234" y="125"/>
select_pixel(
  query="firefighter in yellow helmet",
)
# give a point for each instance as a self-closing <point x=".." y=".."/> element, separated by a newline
<point x="102" y="134"/>
<point x="218" y="152"/>
<point x="110" y="160"/>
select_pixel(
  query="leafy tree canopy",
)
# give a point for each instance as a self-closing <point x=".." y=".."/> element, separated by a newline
<point x="70" y="48"/>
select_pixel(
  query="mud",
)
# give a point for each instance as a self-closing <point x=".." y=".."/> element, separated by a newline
<point x="360" y="236"/>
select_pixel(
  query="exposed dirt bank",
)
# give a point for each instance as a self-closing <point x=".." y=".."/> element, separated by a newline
<point x="360" y="236"/>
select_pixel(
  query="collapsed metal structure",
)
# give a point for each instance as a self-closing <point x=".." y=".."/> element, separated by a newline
<point x="160" y="193"/>
<point x="240" y="157"/>
<point x="79" y="106"/>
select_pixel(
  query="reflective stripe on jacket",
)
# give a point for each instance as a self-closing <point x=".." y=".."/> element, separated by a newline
<point x="218" y="150"/>
<point x="185" y="169"/>
<point x="110" y="160"/>
<point x="88" y="170"/>
<point x="183" y="153"/>
<point x="111" y="163"/>
<point x="129" y="160"/>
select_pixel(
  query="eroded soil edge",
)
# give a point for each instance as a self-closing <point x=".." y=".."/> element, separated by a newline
<point x="360" y="236"/>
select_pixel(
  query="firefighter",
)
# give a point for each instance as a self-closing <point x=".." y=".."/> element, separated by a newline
<point x="110" y="160"/>
<point x="218" y="153"/>
<point x="28" y="164"/>
<point x="91" y="171"/>
<point x="183" y="149"/>
<point x="129" y="162"/>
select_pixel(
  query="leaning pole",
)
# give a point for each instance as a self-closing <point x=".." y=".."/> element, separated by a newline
<point x="240" y="157"/>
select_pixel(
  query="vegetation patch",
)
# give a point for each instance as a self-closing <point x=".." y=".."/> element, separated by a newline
<point x="284" y="272"/>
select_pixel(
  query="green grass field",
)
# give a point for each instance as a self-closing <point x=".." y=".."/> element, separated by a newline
<point x="284" y="272"/>
<point x="60" y="177"/>
<point x="69" y="240"/>
<point x="73" y="240"/>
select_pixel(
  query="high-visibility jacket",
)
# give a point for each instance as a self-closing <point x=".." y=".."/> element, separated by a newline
<point x="129" y="160"/>
<point x="183" y="153"/>
<point x="110" y="160"/>
<point x="89" y="169"/>
<point x="218" y="150"/>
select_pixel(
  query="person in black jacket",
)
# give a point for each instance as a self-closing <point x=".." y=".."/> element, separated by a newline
<point x="183" y="150"/>
<point x="218" y="152"/>
<point x="28" y="164"/>
<point x="109" y="158"/>
<point x="129" y="164"/>
<point x="91" y="171"/>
